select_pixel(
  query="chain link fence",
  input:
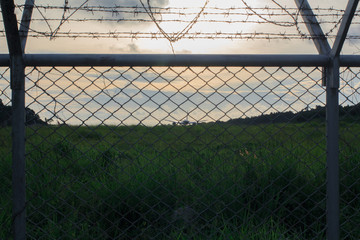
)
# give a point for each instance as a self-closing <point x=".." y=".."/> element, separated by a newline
<point x="5" y="152"/>
<point x="181" y="153"/>
<point x="349" y="152"/>
<point x="154" y="146"/>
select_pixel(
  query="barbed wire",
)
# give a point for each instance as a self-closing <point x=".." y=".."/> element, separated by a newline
<point x="281" y="17"/>
<point x="173" y="20"/>
<point x="193" y="36"/>
<point x="136" y="11"/>
<point x="179" y="35"/>
<point x="174" y="10"/>
<point x="228" y="21"/>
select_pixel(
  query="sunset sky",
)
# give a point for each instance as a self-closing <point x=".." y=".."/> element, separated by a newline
<point x="106" y="45"/>
<point x="139" y="94"/>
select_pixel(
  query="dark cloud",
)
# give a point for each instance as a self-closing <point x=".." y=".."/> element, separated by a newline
<point x="123" y="3"/>
<point x="157" y="3"/>
<point x="133" y="48"/>
<point x="109" y="3"/>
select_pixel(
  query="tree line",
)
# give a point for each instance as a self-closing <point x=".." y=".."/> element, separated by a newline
<point x="31" y="117"/>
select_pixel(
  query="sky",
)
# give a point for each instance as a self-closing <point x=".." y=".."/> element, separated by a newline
<point x="219" y="46"/>
<point x="153" y="96"/>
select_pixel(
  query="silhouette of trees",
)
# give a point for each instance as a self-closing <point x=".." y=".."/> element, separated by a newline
<point x="6" y="116"/>
<point x="317" y="113"/>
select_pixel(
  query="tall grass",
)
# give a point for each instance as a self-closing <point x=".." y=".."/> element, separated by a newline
<point x="210" y="181"/>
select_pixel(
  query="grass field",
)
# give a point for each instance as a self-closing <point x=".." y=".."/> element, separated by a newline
<point x="209" y="181"/>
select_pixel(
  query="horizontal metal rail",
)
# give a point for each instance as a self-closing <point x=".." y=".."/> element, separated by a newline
<point x="269" y="60"/>
<point x="168" y="60"/>
<point x="349" y="61"/>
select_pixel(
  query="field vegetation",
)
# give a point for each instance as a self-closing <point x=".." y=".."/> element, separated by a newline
<point x="208" y="181"/>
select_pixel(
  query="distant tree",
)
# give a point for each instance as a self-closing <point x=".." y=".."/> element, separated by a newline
<point x="31" y="117"/>
<point x="5" y="114"/>
<point x="307" y="114"/>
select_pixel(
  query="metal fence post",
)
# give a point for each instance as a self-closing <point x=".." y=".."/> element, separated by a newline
<point x="17" y="76"/>
<point x="332" y="135"/>
<point x="332" y="118"/>
<point x="18" y="149"/>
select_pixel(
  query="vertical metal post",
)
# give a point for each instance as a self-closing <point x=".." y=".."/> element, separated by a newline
<point x="332" y="154"/>
<point x="17" y="75"/>
<point x="332" y="118"/>
<point x="18" y="147"/>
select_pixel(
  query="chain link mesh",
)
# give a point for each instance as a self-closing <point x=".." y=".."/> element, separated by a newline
<point x="349" y="153"/>
<point x="181" y="153"/>
<point x="157" y="152"/>
<point x="5" y="153"/>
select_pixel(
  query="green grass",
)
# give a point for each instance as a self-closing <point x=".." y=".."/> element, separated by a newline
<point x="240" y="182"/>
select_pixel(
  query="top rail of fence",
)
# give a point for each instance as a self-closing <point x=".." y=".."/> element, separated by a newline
<point x="180" y="60"/>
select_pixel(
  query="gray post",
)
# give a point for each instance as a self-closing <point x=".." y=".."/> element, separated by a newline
<point x="18" y="147"/>
<point x="332" y="154"/>
<point x="332" y="129"/>
<point x="17" y="76"/>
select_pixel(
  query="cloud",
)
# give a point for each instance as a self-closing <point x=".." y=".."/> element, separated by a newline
<point x="130" y="48"/>
<point x="133" y="48"/>
<point x="98" y="34"/>
<point x="109" y="3"/>
<point x="157" y="3"/>
<point x="107" y="12"/>
<point x="183" y="51"/>
<point x="124" y="3"/>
